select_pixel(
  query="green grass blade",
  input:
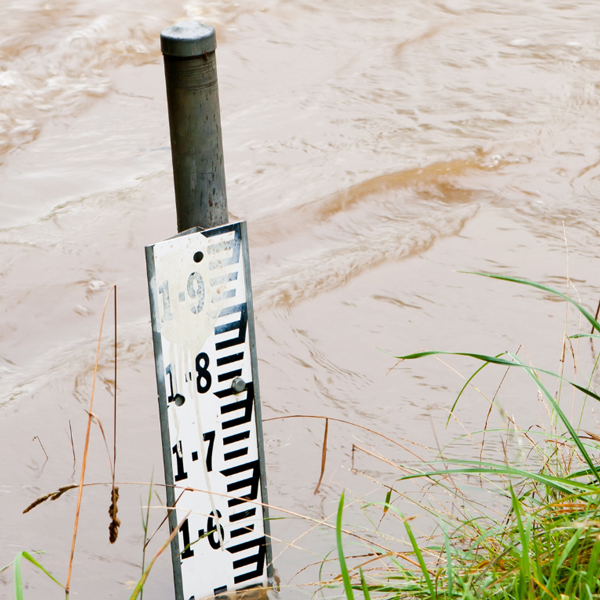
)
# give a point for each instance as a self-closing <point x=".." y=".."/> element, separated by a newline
<point x="342" y="558"/>
<point x="500" y="361"/>
<point x="18" y="577"/>
<point x="569" y="547"/>
<point x="419" y="556"/>
<point x="562" y="416"/>
<point x="464" y="387"/>
<point x="32" y="560"/>
<point x="544" y="288"/>
<point x="592" y="579"/>
<point x="449" y="574"/>
<point x="499" y="469"/>
<point x="8" y="566"/>
<point x="525" y="567"/>
<point x="18" y="574"/>
<point x="576" y="336"/>
<point x="516" y="362"/>
<point x="577" y="474"/>
<point x="386" y="505"/>
<point x="483" y="357"/>
<point x="363" y="584"/>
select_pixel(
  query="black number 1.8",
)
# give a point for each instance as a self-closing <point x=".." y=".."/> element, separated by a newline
<point x="204" y="378"/>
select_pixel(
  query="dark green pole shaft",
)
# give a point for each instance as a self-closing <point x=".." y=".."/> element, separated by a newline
<point x="195" y="122"/>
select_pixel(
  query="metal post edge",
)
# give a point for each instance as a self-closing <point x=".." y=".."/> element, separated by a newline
<point x="257" y="403"/>
<point x="164" y="424"/>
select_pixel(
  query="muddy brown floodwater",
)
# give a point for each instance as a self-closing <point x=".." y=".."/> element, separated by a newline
<point x="376" y="149"/>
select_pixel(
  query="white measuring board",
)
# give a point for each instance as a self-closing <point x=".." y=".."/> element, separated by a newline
<point x="203" y="326"/>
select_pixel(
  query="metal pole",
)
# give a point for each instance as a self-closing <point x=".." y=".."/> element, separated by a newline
<point x="195" y="122"/>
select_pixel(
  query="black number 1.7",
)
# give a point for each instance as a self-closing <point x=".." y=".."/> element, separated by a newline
<point x="209" y="437"/>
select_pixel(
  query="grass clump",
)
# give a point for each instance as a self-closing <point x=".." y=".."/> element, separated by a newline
<point x="521" y="528"/>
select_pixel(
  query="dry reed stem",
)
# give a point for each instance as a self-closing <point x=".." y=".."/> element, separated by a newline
<point x="392" y="489"/>
<point x="115" y="523"/>
<point x="42" y="445"/>
<point x="480" y="392"/>
<point x="337" y="578"/>
<point x="72" y="444"/>
<point x="375" y="559"/>
<point x="101" y="427"/>
<point x="458" y="492"/>
<point x="596" y="316"/>
<point x="169" y="510"/>
<point x="86" y="446"/>
<point x="113" y="528"/>
<point x="592" y="436"/>
<point x="487" y="418"/>
<point x="138" y="588"/>
<point x="323" y="456"/>
<point x="233" y="497"/>
<point x="353" y="425"/>
<point x="381" y="458"/>
<point x="292" y="544"/>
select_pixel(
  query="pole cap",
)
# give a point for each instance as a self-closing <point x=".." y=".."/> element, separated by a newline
<point x="188" y="38"/>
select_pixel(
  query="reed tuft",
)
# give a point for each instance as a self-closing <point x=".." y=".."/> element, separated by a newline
<point x="113" y="528"/>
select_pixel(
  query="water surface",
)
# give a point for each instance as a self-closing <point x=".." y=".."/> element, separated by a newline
<point x="375" y="149"/>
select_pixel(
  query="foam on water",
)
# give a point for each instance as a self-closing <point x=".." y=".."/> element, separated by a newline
<point x="55" y="57"/>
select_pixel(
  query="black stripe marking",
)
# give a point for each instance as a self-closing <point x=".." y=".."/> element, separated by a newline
<point x="257" y="559"/>
<point x="250" y="482"/>
<point x="229" y="359"/>
<point x="242" y="530"/>
<point x="224" y="393"/>
<point x="230" y="375"/>
<point x="230" y="439"/>
<point x="241" y="325"/>
<point x="245" y="514"/>
<point x="236" y="453"/>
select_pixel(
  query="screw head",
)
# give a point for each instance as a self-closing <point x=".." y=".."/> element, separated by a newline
<point x="238" y="385"/>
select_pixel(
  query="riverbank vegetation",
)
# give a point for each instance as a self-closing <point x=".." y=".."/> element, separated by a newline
<point x="521" y="524"/>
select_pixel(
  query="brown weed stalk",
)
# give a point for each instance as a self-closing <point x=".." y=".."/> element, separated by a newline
<point x="87" y="441"/>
